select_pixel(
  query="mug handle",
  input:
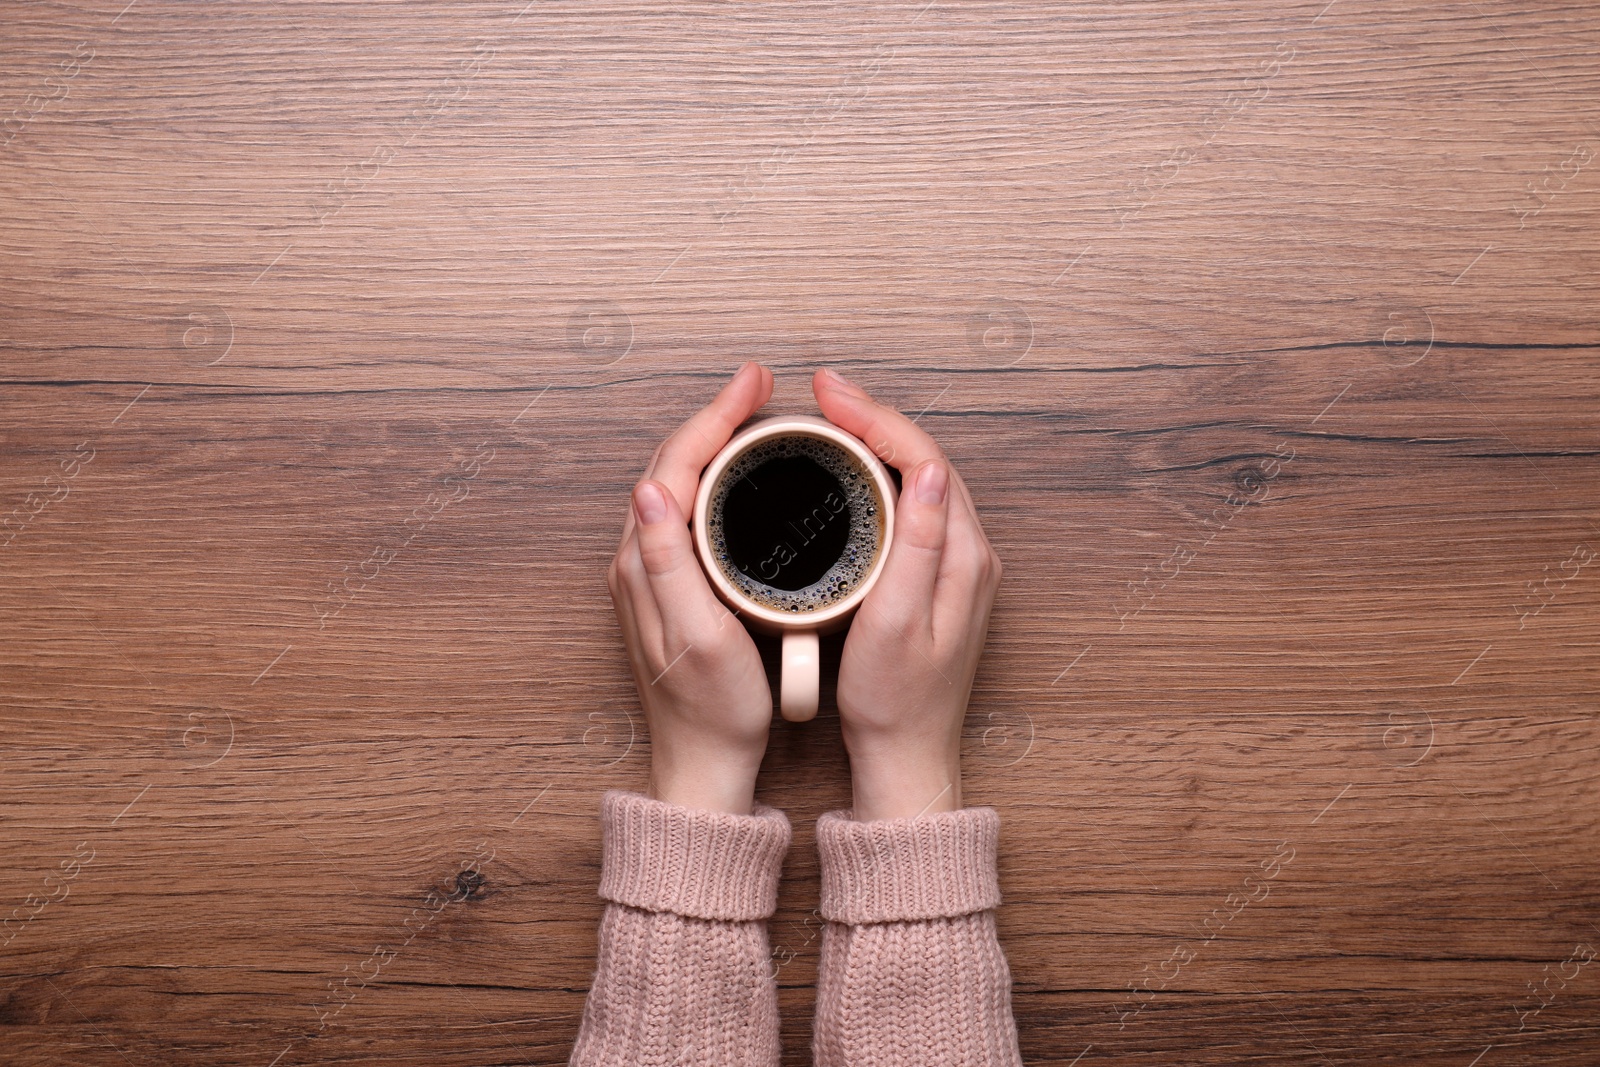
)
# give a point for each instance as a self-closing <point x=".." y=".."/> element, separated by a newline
<point x="800" y="678"/>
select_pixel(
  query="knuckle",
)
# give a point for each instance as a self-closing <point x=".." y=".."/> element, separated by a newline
<point x="656" y="661"/>
<point x="891" y="619"/>
<point x="887" y="631"/>
<point x="658" y="557"/>
<point x="722" y="645"/>
<point x="673" y="449"/>
<point x="630" y="570"/>
<point x="882" y="446"/>
<point x="702" y="651"/>
<point x="698" y="649"/>
<point x="921" y="542"/>
<point x="968" y="553"/>
<point x="924" y="527"/>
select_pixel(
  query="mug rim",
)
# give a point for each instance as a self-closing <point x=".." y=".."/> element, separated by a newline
<point x="741" y="442"/>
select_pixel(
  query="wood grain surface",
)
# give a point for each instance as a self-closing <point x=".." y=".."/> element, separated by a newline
<point x="334" y="335"/>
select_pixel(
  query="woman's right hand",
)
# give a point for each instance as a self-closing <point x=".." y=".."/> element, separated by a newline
<point x="700" y="679"/>
<point x="914" y="645"/>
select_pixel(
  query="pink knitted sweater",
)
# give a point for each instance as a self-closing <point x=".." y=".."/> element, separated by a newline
<point x="911" y="975"/>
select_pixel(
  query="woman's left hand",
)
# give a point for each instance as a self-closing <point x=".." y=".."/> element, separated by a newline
<point x="700" y="679"/>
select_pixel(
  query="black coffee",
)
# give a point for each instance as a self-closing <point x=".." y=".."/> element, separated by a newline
<point x="795" y="523"/>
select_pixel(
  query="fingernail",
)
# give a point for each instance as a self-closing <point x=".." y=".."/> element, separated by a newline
<point x="650" y="503"/>
<point x="931" y="483"/>
<point x="842" y="382"/>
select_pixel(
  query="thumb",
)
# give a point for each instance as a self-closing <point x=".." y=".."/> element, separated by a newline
<point x="905" y="592"/>
<point x="671" y="567"/>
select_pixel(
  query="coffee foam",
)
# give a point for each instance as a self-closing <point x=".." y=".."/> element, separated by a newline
<point x="866" y="524"/>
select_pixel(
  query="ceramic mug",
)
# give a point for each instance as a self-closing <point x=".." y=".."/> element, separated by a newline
<point x="799" y="682"/>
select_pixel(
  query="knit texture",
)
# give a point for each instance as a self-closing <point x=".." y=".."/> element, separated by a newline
<point x="890" y="870"/>
<point x="684" y="976"/>
<point x="912" y="974"/>
<point x="702" y="864"/>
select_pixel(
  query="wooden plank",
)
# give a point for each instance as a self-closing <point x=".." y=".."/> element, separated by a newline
<point x="334" y="334"/>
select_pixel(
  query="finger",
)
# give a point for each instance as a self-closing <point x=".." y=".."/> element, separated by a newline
<point x="892" y="437"/>
<point x="969" y="569"/>
<point x="966" y="530"/>
<point x="969" y="577"/>
<point x="678" y="461"/>
<point x="905" y="592"/>
<point x="964" y="495"/>
<point x="628" y="521"/>
<point x="685" y="454"/>
<point x="636" y="606"/>
<point x="677" y="584"/>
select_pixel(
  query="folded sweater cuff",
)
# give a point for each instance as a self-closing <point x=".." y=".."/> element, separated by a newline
<point x="703" y="864"/>
<point x="900" y="870"/>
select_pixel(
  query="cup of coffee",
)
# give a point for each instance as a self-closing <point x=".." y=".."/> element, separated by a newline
<point x="792" y="524"/>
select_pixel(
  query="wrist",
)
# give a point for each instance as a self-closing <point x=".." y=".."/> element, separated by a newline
<point x="903" y="780"/>
<point x="704" y="779"/>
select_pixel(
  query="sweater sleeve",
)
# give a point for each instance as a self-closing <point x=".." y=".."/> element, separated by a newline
<point x="684" y="976"/>
<point x="912" y="973"/>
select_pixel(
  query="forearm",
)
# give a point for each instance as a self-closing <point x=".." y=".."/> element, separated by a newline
<point x="684" y="971"/>
<point x="912" y="972"/>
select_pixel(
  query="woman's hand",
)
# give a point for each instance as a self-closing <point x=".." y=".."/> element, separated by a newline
<point x="914" y="644"/>
<point x="700" y="678"/>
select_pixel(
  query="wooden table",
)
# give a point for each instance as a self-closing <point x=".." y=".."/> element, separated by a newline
<point x="335" y="334"/>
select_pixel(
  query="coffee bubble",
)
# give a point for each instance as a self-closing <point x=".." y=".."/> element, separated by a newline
<point x="863" y="509"/>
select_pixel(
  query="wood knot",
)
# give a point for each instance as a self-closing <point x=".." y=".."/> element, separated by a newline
<point x="469" y="884"/>
<point x="1251" y="480"/>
